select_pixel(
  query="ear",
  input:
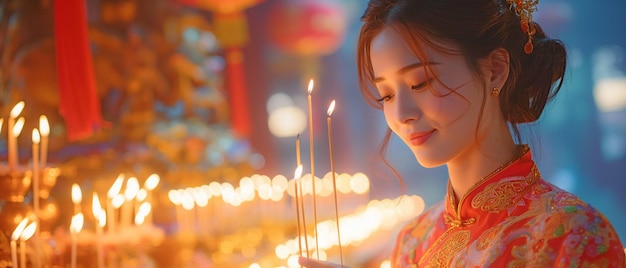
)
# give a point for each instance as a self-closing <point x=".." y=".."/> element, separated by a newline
<point x="497" y="64"/>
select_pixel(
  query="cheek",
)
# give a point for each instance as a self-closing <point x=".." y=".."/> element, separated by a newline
<point x="446" y="110"/>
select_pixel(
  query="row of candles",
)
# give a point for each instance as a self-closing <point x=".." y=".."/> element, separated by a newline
<point x="39" y="160"/>
<point x="133" y="201"/>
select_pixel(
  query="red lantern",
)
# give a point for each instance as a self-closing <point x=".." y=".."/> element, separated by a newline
<point x="308" y="27"/>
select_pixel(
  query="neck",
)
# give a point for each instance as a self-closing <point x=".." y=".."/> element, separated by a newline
<point x="477" y="164"/>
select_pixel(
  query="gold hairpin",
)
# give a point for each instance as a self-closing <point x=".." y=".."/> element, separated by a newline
<point x="524" y="9"/>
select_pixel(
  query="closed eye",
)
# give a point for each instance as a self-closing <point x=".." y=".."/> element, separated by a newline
<point x="422" y="85"/>
<point x="385" y="98"/>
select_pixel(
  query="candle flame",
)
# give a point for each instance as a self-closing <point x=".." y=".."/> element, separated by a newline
<point x="36" y="138"/>
<point x="174" y="197"/>
<point x="310" y="86"/>
<point x="116" y="187"/>
<point x="132" y="187"/>
<point x="77" y="223"/>
<point x="97" y="210"/>
<point x="17" y="109"/>
<point x="298" y="173"/>
<point x="142" y="194"/>
<point x="29" y="231"/>
<point x="1" y="122"/>
<point x="19" y="229"/>
<point x="142" y="212"/>
<point x="331" y="108"/>
<point x="44" y="126"/>
<point x="77" y="195"/>
<point x="17" y="129"/>
<point x="117" y="201"/>
<point x="102" y="218"/>
<point x="151" y="182"/>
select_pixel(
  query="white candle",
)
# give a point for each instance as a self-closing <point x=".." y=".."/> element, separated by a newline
<point x="36" y="181"/>
<point x="44" y="127"/>
<point x="331" y="108"/>
<point x="111" y="194"/>
<point x="311" y="143"/>
<point x="176" y="199"/>
<point x="26" y="234"/>
<point x="13" y="150"/>
<point x="15" y="112"/>
<point x="75" y="227"/>
<point x="100" y="217"/>
<point x="132" y="187"/>
<point x="14" y="254"/>
<point x="150" y="184"/>
<point x="17" y="233"/>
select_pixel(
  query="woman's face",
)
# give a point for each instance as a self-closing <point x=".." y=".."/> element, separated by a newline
<point x="439" y="125"/>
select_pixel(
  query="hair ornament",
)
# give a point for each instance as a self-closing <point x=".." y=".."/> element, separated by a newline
<point x="524" y="9"/>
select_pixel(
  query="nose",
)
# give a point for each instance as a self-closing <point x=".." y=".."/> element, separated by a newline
<point x="407" y="108"/>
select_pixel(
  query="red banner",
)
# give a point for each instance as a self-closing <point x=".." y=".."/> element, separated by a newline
<point x="79" y="103"/>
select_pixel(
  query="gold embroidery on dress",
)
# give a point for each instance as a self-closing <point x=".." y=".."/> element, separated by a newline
<point x="449" y="249"/>
<point x="502" y="194"/>
<point x="454" y="223"/>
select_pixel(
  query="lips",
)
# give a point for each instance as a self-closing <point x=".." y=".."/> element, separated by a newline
<point x="419" y="138"/>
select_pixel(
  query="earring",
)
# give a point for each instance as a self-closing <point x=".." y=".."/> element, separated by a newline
<point x="495" y="92"/>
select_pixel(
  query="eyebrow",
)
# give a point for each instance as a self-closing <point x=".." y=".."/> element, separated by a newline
<point x="406" y="69"/>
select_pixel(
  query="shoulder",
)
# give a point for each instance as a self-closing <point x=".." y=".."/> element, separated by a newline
<point x="572" y="231"/>
<point x="421" y="225"/>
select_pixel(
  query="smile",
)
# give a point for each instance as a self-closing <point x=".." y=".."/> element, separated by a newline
<point x="419" y="138"/>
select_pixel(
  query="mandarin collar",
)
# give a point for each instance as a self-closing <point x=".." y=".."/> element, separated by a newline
<point x="520" y="171"/>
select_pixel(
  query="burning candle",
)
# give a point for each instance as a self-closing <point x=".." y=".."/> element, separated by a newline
<point x="75" y="227"/>
<point x="331" y="108"/>
<point x="310" y="89"/>
<point x="15" y="112"/>
<point x="77" y="197"/>
<point x="17" y="233"/>
<point x="132" y="187"/>
<point x="100" y="217"/>
<point x="176" y="199"/>
<point x="36" y="181"/>
<point x="111" y="194"/>
<point x="13" y="151"/>
<point x="142" y="212"/>
<point x="44" y="128"/>
<point x="150" y="184"/>
<point x="26" y="234"/>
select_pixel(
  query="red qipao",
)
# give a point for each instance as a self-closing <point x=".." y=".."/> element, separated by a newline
<point x="512" y="218"/>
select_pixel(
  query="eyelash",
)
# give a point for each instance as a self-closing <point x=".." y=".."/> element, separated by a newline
<point x="413" y="87"/>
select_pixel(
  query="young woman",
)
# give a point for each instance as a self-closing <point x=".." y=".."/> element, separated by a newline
<point x="454" y="78"/>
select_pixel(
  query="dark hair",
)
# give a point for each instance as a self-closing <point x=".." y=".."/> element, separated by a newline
<point x="477" y="27"/>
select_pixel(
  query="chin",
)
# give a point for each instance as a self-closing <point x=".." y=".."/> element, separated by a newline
<point x="429" y="162"/>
